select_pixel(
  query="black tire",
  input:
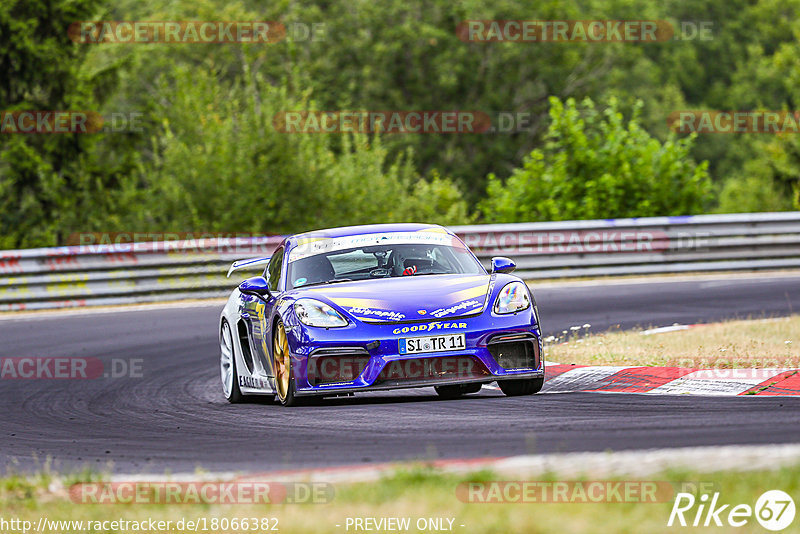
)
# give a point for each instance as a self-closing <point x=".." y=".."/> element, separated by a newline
<point x="515" y="388"/>
<point x="235" y="396"/>
<point x="290" y="399"/>
<point x="457" y="390"/>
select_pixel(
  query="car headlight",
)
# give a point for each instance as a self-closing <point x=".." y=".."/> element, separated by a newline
<point x="315" y="313"/>
<point x="512" y="298"/>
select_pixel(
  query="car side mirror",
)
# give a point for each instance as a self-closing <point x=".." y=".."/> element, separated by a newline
<point x="255" y="286"/>
<point x="502" y="265"/>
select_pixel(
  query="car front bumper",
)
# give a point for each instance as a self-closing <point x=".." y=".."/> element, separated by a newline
<point x="365" y="356"/>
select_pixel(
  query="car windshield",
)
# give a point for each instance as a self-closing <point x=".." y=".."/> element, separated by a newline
<point x="382" y="261"/>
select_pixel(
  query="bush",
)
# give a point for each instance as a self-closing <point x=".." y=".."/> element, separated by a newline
<point x="220" y="165"/>
<point x="596" y="165"/>
<point x="769" y="181"/>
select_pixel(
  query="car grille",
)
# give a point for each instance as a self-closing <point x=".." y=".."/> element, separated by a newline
<point x="331" y="366"/>
<point x="431" y="369"/>
<point x="515" y="351"/>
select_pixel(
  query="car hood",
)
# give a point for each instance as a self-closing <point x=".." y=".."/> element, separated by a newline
<point x="407" y="298"/>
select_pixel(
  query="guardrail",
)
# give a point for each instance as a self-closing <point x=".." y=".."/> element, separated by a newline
<point x="647" y="245"/>
<point x="113" y="274"/>
<point x="144" y="272"/>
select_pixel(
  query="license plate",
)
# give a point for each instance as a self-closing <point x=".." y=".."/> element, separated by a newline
<point x="416" y="345"/>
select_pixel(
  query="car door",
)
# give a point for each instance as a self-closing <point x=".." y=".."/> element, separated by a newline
<point x="259" y="312"/>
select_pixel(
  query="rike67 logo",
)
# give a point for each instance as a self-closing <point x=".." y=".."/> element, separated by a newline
<point x="774" y="510"/>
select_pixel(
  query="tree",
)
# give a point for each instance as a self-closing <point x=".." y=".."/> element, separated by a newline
<point x="51" y="183"/>
<point x="595" y="164"/>
<point x="220" y="165"/>
<point x="769" y="177"/>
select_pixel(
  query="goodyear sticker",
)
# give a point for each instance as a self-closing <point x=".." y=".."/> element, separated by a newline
<point x="429" y="327"/>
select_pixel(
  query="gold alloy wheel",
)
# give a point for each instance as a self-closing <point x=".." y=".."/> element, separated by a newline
<point x="282" y="364"/>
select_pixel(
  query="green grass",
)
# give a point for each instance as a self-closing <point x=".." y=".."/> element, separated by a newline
<point x="755" y="343"/>
<point x="416" y="492"/>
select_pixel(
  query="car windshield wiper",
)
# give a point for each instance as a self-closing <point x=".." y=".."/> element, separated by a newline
<point x="334" y="281"/>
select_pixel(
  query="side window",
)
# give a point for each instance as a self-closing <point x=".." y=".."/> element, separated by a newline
<point x="274" y="269"/>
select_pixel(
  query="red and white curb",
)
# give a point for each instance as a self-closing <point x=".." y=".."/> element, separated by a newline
<point x="672" y="380"/>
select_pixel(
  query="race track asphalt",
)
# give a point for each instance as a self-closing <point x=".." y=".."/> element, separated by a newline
<point x="174" y="418"/>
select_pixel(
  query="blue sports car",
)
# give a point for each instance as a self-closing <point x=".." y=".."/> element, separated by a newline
<point x="378" y="307"/>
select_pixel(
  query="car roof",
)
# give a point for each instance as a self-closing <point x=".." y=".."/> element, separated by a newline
<point x="365" y="229"/>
